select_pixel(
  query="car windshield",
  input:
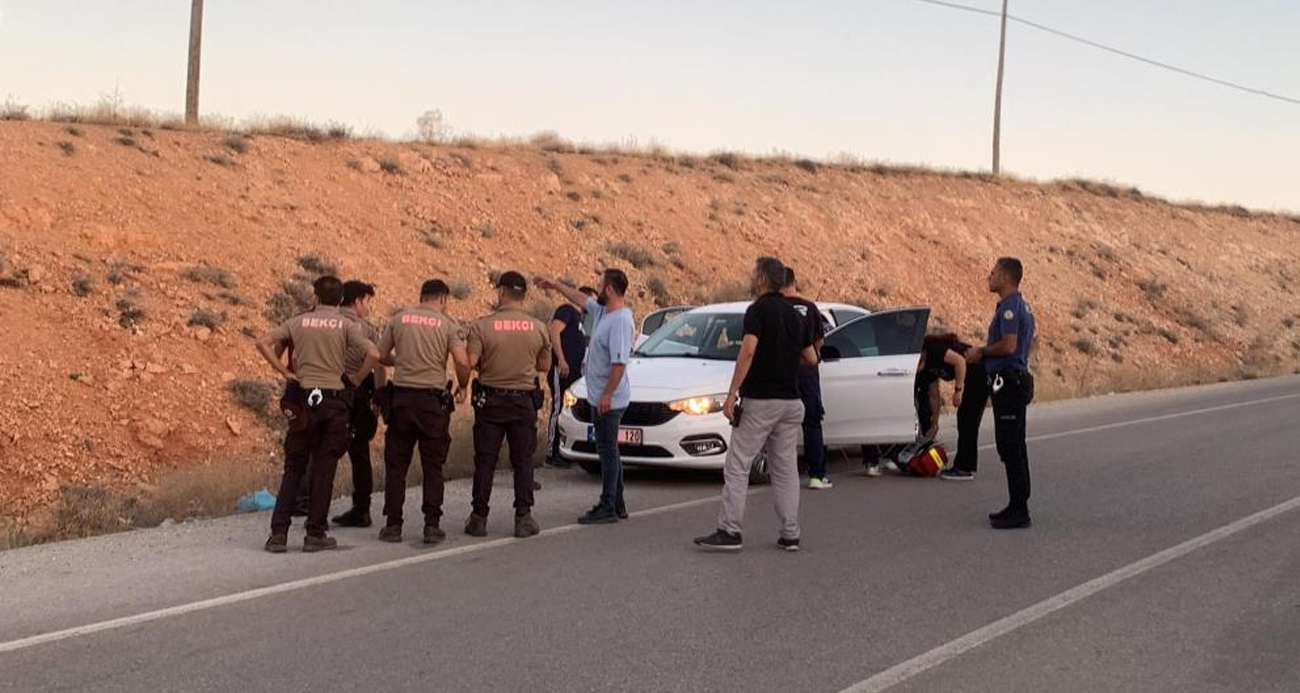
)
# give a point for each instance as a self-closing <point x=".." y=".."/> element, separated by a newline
<point x="697" y="335"/>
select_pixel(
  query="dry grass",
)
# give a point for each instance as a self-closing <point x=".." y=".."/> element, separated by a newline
<point x="318" y="265"/>
<point x="202" y="317"/>
<point x="130" y="311"/>
<point x="634" y="255"/>
<point x="658" y="291"/>
<point x="209" y="274"/>
<point x="83" y="286"/>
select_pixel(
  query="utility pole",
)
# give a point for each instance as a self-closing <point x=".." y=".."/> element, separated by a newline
<point x="997" y="99"/>
<point x="196" y="50"/>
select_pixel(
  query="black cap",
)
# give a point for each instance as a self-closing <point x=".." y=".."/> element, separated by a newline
<point x="513" y="281"/>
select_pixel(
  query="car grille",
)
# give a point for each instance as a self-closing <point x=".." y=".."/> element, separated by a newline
<point x="642" y="451"/>
<point x="637" y="414"/>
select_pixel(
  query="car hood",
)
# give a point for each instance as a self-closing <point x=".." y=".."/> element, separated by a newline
<point x="669" y="379"/>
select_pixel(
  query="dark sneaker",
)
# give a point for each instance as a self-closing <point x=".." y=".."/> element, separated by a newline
<point x="526" y="526"/>
<point x="278" y="543"/>
<point x="1012" y="522"/>
<point x="355" y="517"/>
<point x="314" y="544"/>
<point x="621" y="511"/>
<point x="558" y="463"/>
<point x="433" y="535"/>
<point x="537" y="485"/>
<point x="599" y="515"/>
<point x="476" y="525"/>
<point x="956" y="475"/>
<point x="720" y="540"/>
<point x="787" y="544"/>
<point x="391" y="534"/>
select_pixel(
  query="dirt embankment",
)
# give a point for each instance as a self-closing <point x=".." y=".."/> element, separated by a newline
<point x="135" y="266"/>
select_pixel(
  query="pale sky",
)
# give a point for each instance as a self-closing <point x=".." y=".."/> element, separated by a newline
<point x="889" y="80"/>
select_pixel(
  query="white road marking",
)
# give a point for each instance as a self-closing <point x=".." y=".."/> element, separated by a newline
<point x="238" y="597"/>
<point x="1150" y="419"/>
<point x="917" y="665"/>
<point x="294" y="585"/>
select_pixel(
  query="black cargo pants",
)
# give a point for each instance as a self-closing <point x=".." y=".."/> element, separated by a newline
<point x="319" y="445"/>
<point x="512" y="418"/>
<point x="419" y="417"/>
<point x="1012" y="392"/>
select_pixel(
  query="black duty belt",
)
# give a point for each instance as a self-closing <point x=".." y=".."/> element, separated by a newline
<point x="507" y="393"/>
<point x="434" y="391"/>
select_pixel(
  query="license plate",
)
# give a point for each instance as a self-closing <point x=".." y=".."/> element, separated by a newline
<point x="626" y="436"/>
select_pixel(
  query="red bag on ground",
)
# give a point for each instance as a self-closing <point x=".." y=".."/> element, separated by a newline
<point x="931" y="460"/>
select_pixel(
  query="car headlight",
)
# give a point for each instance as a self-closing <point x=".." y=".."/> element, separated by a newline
<point x="570" y="399"/>
<point x="699" y="406"/>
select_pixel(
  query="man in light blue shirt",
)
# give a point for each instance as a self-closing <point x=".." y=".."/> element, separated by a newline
<point x="608" y="391"/>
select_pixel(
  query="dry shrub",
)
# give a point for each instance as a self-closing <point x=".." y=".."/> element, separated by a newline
<point x="221" y="160"/>
<point x="729" y="293"/>
<point x="625" y="178"/>
<point x="658" y="290"/>
<point x="236" y="143"/>
<point x="202" y="317"/>
<point x="808" y="165"/>
<point x="83" y="286"/>
<point x="461" y="290"/>
<point x="551" y="142"/>
<point x="255" y="395"/>
<point x="317" y="265"/>
<point x="729" y="159"/>
<point x="294" y="297"/>
<point x="636" y="256"/>
<point x="68" y="148"/>
<point x="130" y="311"/>
<point x="85" y="510"/>
<point x="391" y="167"/>
<point x="209" y="491"/>
<point x="12" y="110"/>
<point x="209" y="274"/>
<point x="293" y="128"/>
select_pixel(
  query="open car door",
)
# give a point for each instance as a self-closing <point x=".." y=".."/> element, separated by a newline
<point x="867" y="373"/>
<point x="657" y="319"/>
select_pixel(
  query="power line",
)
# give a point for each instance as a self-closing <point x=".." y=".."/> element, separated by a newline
<point x="1116" y="51"/>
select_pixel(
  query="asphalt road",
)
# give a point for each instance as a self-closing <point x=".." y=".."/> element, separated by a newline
<point x="1165" y="556"/>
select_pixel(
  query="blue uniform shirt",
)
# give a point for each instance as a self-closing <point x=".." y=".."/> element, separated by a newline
<point x="1013" y="316"/>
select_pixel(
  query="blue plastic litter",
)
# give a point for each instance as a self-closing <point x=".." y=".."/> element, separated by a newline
<point x="256" y="502"/>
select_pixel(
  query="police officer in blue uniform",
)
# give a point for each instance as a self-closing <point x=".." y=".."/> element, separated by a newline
<point x="1006" y="359"/>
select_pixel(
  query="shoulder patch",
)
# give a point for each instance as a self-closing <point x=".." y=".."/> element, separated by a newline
<point x="1009" y="314"/>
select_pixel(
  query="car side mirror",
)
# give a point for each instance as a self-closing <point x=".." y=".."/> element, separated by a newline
<point x="830" y="353"/>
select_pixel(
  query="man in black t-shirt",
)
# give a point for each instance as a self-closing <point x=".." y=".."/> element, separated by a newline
<point x="765" y="410"/>
<point x="810" y="385"/>
<point x="569" y="347"/>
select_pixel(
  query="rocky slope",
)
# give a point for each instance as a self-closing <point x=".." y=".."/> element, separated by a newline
<point x="135" y="265"/>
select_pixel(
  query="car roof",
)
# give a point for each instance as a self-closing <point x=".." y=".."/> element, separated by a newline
<point x="740" y="306"/>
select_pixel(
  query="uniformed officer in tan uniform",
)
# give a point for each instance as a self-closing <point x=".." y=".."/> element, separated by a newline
<point x="419" y="342"/>
<point x="509" y="349"/>
<point x="315" y="388"/>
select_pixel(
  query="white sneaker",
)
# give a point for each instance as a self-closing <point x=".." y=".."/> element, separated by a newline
<point x="873" y="470"/>
<point x="819" y="484"/>
<point x="891" y="465"/>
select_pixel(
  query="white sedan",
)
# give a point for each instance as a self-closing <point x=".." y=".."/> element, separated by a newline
<point x="680" y="375"/>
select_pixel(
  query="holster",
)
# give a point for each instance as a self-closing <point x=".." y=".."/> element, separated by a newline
<point x="448" y="399"/>
<point x="478" y="395"/>
<point x="384" y="400"/>
<point x="293" y="405"/>
<point x="539" y="395"/>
